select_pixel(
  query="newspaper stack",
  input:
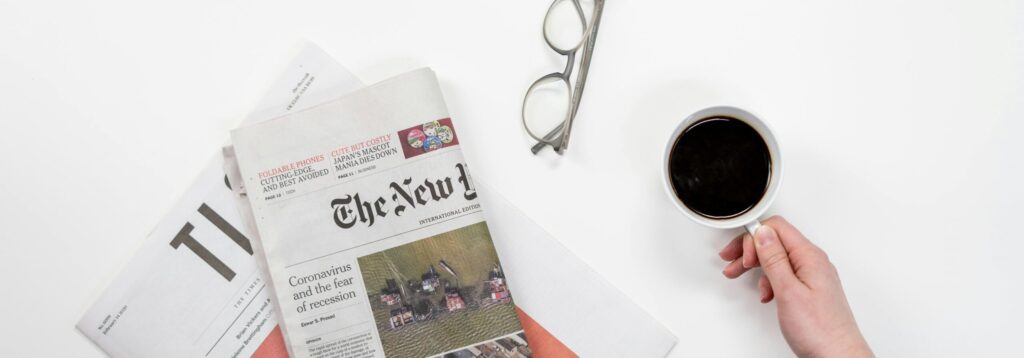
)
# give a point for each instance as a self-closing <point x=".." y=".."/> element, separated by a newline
<point x="344" y="222"/>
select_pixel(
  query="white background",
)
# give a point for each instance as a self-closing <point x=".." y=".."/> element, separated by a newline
<point x="900" y="123"/>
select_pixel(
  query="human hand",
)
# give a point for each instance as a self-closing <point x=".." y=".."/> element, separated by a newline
<point x="814" y="315"/>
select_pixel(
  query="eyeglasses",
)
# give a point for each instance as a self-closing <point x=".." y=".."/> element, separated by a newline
<point x="550" y="104"/>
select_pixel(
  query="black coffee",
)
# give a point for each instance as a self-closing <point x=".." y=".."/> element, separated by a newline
<point x="720" y="167"/>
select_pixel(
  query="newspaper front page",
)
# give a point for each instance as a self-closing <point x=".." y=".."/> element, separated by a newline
<point x="371" y="229"/>
<point x="193" y="289"/>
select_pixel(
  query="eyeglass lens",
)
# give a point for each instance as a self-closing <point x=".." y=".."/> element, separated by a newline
<point x="546" y="106"/>
<point x="565" y="25"/>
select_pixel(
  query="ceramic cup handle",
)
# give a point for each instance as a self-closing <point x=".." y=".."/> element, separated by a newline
<point x="752" y="227"/>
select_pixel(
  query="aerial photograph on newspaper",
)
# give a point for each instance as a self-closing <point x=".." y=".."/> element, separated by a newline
<point x="441" y="294"/>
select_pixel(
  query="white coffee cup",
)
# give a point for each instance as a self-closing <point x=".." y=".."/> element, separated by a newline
<point x="749" y="219"/>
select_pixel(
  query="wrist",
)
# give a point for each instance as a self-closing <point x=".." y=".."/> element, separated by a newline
<point x="852" y="345"/>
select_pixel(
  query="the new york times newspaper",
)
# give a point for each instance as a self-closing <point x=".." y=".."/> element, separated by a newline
<point x="371" y="230"/>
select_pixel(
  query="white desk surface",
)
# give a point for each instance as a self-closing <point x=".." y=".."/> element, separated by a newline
<point x="900" y="126"/>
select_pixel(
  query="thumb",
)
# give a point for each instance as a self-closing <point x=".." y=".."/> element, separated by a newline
<point x="773" y="258"/>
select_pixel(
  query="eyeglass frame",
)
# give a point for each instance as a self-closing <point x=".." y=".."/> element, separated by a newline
<point x="561" y="132"/>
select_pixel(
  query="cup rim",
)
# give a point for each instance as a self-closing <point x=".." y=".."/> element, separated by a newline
<point x="775" y="178"/>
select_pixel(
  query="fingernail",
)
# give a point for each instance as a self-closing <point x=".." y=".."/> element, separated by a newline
<point x="764" y="290"/>
<point x="765" y="235"/>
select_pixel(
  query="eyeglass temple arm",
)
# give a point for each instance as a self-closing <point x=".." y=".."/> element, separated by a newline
<point x="581" y="78"/>
<point x="588" y="51"/>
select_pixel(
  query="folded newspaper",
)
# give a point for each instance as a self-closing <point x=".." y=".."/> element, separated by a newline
<point x="371" y="231"/>
<point x="193" y="289"/>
